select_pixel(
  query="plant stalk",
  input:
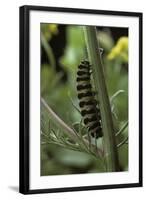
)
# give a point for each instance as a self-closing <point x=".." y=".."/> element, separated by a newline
<point x="110" y="149"/>
<point x="67" y="130"/>
<point x="59" y="121"/>
<point x="48" y="51"/>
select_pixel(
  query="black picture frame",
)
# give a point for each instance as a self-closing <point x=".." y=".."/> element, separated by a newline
<point x="25" y="105"/>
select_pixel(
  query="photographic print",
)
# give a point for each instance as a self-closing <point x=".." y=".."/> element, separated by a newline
<point x="80" y="99"/>
<point x="68" y="88"/>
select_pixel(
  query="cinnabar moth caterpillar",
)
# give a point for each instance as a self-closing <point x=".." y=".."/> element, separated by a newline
<point x="87" y="102"/>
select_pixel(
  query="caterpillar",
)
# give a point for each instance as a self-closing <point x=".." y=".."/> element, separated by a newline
<point x="87" y="102"/>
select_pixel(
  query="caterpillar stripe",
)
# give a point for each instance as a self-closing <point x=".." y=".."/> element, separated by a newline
<point x="87" y="102"/>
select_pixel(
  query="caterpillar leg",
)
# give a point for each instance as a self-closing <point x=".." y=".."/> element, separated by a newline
<point x="94" y="93"/>
<point x="91" y="71"/>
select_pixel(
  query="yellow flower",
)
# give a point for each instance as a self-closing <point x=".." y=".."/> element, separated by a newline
<point x="120" y="50"/>
<point x="49" y="30"/>
<point x="53" y="28"/>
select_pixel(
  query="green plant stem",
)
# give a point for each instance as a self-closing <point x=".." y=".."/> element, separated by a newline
<point x="123" y="142"/>
<point x="122" y="129"/>
<point x="66" y="129"/>
<point x="115" y="95"/>
<point x="59" y="121"/>
<point x="110" y="148"/>
<point x="48" y="50"/>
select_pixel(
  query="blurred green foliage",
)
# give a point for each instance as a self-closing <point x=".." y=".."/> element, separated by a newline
<point x="58" y="94"/>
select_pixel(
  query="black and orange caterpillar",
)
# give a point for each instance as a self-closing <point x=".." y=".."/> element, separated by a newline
<point x="87" y="102"/>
